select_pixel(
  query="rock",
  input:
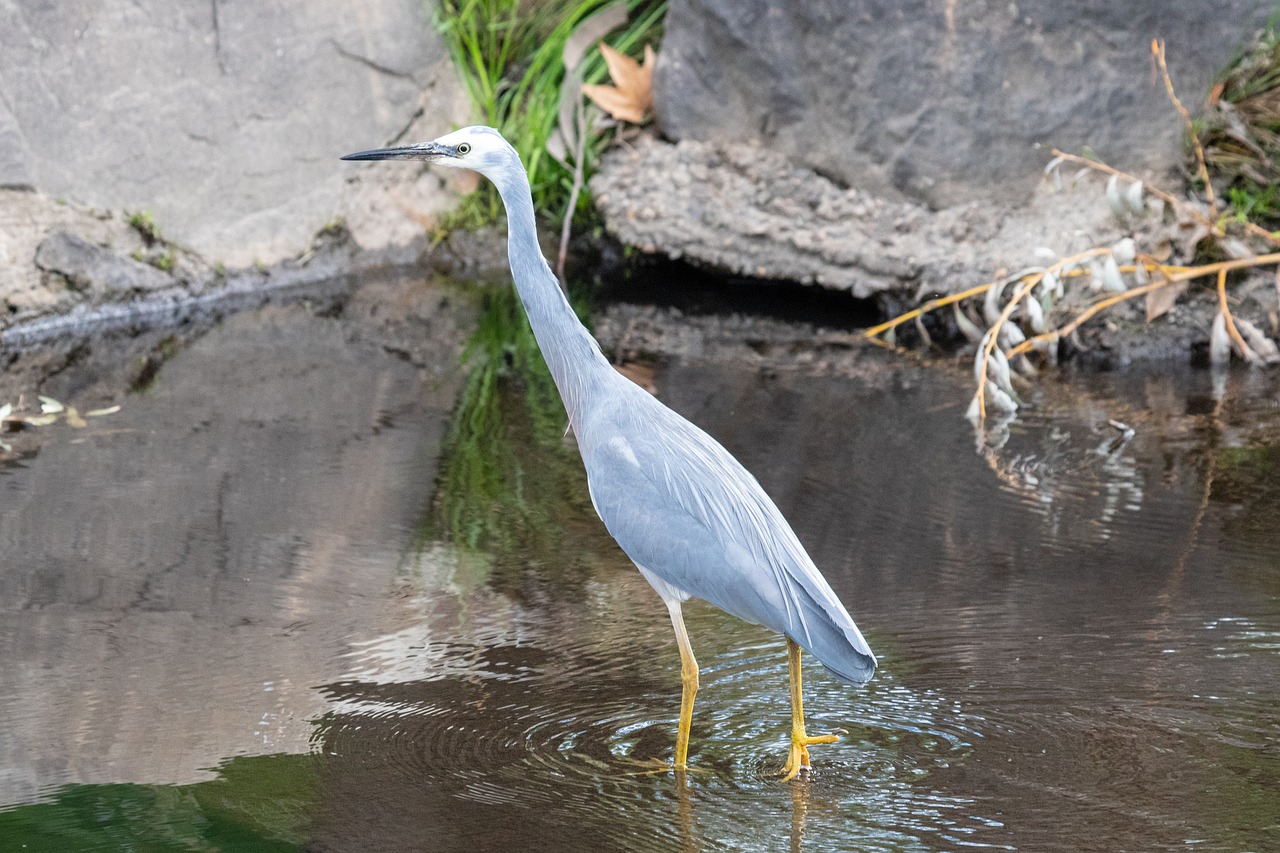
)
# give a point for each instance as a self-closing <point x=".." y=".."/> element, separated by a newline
<point x="941" y="102"/>
<point x="96" y="270"/>
<point x="750" y="211"/>
<point x="26" y="218"/>
<point x="225" y="120"/>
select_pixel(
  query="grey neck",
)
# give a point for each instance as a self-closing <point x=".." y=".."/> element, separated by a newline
<point x="572" y="355"/>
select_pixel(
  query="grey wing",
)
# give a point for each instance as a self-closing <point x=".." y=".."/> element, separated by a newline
<point x="685" y="510"/>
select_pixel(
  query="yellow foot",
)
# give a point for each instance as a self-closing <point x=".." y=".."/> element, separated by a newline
<point x="798" y="758"/>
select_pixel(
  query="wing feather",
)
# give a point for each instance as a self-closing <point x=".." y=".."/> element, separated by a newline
<point x="681" y="506"/>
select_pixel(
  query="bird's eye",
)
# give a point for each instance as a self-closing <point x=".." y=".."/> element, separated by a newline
<point x="464" y="148"/>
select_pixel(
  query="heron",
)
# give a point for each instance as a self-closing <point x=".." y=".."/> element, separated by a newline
<point x="694" y="521"/>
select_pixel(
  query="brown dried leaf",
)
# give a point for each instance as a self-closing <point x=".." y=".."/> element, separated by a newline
<point x="631" y="96"/>
<point x="1162" y="300"/>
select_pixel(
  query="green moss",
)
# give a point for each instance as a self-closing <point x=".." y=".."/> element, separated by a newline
<point x="145" y="224"/>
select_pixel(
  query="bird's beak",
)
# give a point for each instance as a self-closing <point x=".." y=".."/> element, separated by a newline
<point x="420" y="151"/>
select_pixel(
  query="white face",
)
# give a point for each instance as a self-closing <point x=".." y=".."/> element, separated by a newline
<point x="477" y="147"/>
<point x="480" y="148"/>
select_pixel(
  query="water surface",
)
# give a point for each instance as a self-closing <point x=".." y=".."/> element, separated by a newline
<point x="231" y="619"/>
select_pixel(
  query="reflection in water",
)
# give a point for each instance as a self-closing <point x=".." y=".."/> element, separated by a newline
<point x="511" y="481"/>
<point x="261" y="804"/>
<point x="1081" y="652"/>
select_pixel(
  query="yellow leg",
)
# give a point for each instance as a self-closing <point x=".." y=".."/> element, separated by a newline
<point x="689" y="680"/>
<point x="798" y="758"/>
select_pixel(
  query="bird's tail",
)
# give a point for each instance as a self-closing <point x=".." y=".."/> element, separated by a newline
<point x="835" y="641"/>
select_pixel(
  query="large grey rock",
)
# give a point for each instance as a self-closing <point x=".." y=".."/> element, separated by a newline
<point x="225" y="119"/>
<point x="749" y="210"/>
<point x="941" y="101"/>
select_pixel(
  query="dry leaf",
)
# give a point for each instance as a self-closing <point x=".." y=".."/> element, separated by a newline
<point x="1219" y="341"/>
<point x="1035" y="314"/>
<point x="1124" y="251"/>
<point x="1133" y="198"/>
<point x="1264" y="347"/>
<point x="991" y="303"/>
<point x="35" y="420"/>
<point x="564" y="139"/>
<point x="1161" y="300"/>
<point x="1114" y="199"/>
<point x="1111" y="278"/>
<point x="967" y="327"/>
<point x="631" y="96"/>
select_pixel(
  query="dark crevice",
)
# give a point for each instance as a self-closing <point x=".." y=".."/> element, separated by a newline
<point x="660" y="281"/>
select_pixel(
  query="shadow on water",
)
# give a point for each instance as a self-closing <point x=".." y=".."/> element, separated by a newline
<point x="1079" y="637"/>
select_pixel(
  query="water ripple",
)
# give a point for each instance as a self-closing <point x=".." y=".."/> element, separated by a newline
<point x="588" y="741"/>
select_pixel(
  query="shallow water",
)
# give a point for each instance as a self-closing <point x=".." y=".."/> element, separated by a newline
<point x="222" y="626"/>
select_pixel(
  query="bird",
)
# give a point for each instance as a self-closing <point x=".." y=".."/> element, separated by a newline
<point x="694" y="521"/>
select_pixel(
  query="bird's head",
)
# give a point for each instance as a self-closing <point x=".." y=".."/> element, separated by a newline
<point x="480" y="148"/>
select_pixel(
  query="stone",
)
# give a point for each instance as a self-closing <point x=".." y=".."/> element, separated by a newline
<point x="26" y="219"/>
<point x="753" y="213"/>
<point x="225" y="120"/>
<point x="96" y="270"/>
<point x="942" y="102"/>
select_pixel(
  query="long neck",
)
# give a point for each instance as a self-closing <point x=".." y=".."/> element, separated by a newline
<point x="572" y="355"/>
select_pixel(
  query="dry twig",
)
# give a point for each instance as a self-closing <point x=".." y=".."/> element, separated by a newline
<point x="1157" y="50"/>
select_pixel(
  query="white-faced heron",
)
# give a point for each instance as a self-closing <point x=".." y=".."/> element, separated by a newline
<point x="694" y="521"/>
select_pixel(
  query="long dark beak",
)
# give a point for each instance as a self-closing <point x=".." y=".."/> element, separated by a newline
<point x="420" y="151"/>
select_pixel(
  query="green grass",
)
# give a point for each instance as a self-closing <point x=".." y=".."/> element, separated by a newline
<point x="509" y="54"/>
<point x="1240" y="132"/>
